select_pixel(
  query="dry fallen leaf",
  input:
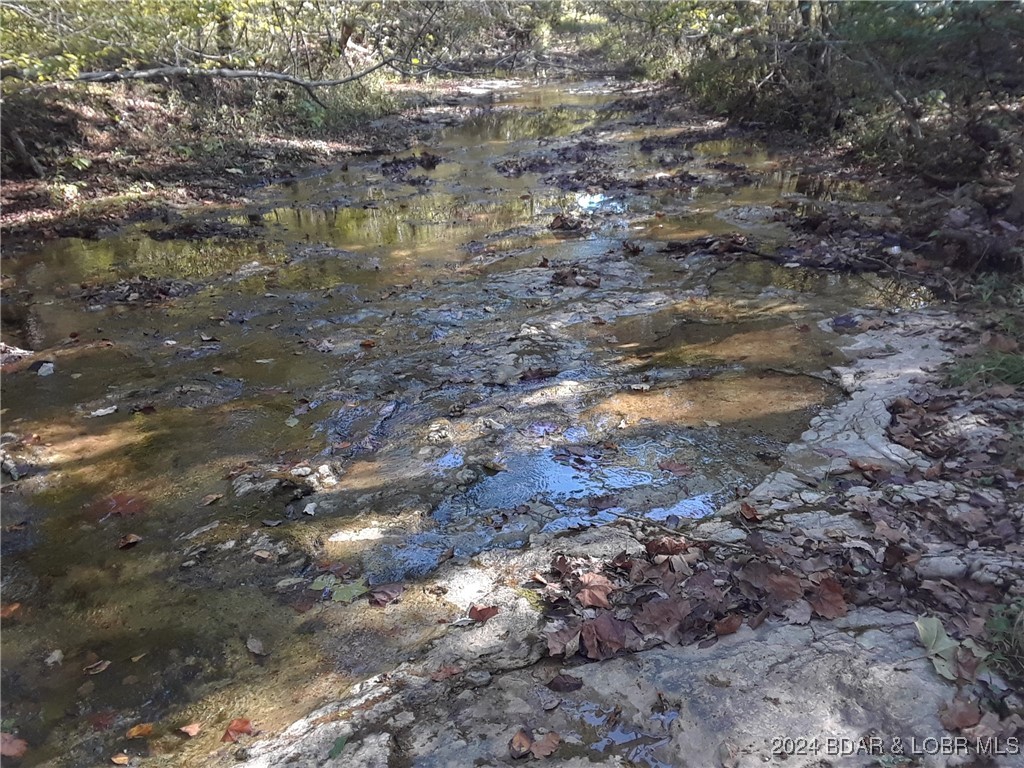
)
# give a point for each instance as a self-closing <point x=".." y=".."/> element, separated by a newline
<point x="749" y="512"/>
<point x="482" y="613"/>
<point x="238" y="727"/>
<point x="595" y="590"/>
<point x="255" y="646"/>
<point x="959" y="714"/>
<point x="519" y="745"/>
<point x="9" y="610"/>
<point x="443" y="673"/>
<point x="677" y="468"/>
<point x="828" y="602"/>
<point x="728" y="625"/>
<point x="12" y="746"/>
<point x="192" y="729"/>
<point x="139" y="731"/>
<point x="95" y="669"/>
<point x="565" y="683"/>
<point x="120" y="759"/>
<point x="128" y="541"/>
<point x="385" y="594"/>
<point x="545" y="746"/>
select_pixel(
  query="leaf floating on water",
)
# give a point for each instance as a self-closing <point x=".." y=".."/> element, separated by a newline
<point x="385" y="594"/>
<point x="12" y="746"/>
<point x="481" y="613"/>
<point x="255" y="646"/>
<point x="546" y="746"/>
<point x="339" y="745"/>
<point x="192" y="729"/>
<point x="120" y="759"/>
<point x="139" y="731"/>
<point x="128" y="541"/>
<point x="95" y="669"/>
<point x="519" y="745"/>
<point x="238" y="727"/>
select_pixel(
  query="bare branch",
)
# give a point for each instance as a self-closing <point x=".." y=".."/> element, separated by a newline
<point x="239" y="74"/>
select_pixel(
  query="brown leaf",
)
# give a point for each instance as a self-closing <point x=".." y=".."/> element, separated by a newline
<point x="662" y="617"/>
<point x="866" y="467"/>
<point x="546" y="746"/>
<point x="828" y="601"/>
<point x="666" y="545"/>
<point x="128" y="541"/>
<point x="12" y="746"/>
<point x="595" y="591"/>
<point x="799" y="612"/>
<point x="999" y="342"/>
<point x="120" y="759"/>
<point x="236" y="728"/>
<point x="564" y="642"/>
<point x="482" y="613"/>
<point x="605" y="636"/>
<point x="443" y="673"/>
<point x="192" y="729"/>
<point x="139" y="731"/>
<point x="749" y="512"/>
<point x="538" y="374"/>
<point x="519" y="745"/>
<point x="367" y="343"/>
<point x="729" y="624"/>
<point x="565" y="683"/>
<point x="385" y="594"/>
<point x="677" y="468"/>
<point x="959" y="714"/>
<point x="784" y="587"/>
<point x="211" y="498"/>
<point x="9" y="610"/>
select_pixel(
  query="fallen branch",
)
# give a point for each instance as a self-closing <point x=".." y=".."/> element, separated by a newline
<point x="24" y="155"/>
<point x="231" y="74"/>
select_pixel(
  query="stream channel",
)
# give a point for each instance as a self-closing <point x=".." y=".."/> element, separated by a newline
<point x="402" y="361"/>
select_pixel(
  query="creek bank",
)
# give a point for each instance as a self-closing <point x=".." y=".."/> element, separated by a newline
<point x="735" y="701"/>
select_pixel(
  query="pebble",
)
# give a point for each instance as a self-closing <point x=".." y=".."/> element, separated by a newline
<point x="477" y="678"/>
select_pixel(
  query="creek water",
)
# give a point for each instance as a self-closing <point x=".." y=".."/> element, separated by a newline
<point x="406" y="343"/>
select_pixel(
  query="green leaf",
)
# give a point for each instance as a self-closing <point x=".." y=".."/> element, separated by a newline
<point x="323" y="581"/>
<point x="346" y="593"/>
<point x="934" y="637"/>
<point x="339" y="744"/>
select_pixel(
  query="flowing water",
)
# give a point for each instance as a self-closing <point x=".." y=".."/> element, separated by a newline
<point x="387" y="366"/>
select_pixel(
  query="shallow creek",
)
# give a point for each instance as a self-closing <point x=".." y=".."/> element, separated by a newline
<point x="387" y="366"/>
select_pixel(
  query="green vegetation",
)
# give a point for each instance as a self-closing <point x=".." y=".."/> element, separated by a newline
<point x="933" y="88"/>
<point x="1005" y="635"/>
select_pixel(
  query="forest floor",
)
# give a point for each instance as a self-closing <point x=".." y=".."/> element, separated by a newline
<point x="409" y="459"/>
